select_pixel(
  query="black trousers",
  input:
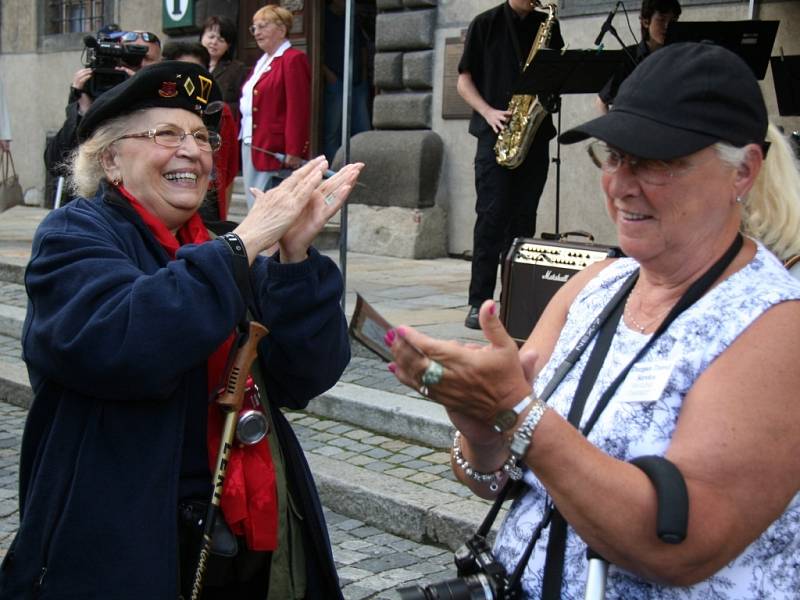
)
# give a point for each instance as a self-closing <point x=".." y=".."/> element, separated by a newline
<point x="506" y="209"/>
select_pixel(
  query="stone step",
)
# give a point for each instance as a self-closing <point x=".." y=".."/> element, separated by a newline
<point x="13" y="302"/>
<point x="15" y="389"/>
<point x="12" y="273"/>
<point x="376" y="456"/>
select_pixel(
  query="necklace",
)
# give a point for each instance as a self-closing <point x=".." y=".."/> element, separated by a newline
<point x="633" y="320"/>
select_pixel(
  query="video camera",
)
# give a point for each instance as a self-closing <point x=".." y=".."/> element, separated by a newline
<point x="103" y="56"/>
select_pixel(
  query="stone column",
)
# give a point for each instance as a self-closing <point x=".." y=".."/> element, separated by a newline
<point x="395" y="213"/>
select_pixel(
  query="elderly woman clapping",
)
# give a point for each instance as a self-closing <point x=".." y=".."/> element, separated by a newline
<point x="685" y="351"/>
<point x="132" y="311"/>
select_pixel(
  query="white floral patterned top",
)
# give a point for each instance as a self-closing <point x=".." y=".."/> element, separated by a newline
<point x="640" y="420"/>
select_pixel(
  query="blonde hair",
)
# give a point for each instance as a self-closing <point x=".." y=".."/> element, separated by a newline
<point x="86" y="162"/>
<point x="275" y="14"/>
<point x="771" y="209"/>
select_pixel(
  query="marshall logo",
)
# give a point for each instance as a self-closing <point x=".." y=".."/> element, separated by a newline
<point x="550" y="276"/>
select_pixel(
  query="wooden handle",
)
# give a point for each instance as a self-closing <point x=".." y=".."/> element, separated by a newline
<point x="232" y="396"/>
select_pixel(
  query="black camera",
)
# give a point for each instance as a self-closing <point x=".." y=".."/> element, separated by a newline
<point x="103" y="57"/>
<point x="480" y="577"/>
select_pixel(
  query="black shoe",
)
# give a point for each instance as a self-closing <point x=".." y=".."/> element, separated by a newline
<point x="472" y="318"/>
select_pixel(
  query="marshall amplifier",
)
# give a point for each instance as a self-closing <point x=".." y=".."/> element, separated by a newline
<point x="534" y="270"/>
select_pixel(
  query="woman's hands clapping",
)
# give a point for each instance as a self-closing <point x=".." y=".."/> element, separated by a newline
<point x="324" y="202"/>
<point x="294" y="212"/>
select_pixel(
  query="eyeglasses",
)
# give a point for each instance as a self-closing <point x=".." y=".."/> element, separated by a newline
<point x="654" y="172"/>
<point x="171" y="136"/>
<point x="260" y="26"/>
<point x="212" y="36"/>
<point x="146" y="36"/>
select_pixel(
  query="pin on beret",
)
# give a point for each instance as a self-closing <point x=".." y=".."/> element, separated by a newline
<point x="168" y="84"/>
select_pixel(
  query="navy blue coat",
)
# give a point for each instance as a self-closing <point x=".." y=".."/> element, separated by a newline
<point x="116" y="340"/>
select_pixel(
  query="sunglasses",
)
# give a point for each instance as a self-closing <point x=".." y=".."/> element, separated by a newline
<point x="146" y="36"/>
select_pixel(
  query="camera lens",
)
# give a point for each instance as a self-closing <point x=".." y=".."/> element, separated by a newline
<point x="473" y="587"/>
<point x="252" y="427"/>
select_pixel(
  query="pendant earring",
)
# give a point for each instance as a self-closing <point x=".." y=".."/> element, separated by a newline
<point x="739" y="200"/>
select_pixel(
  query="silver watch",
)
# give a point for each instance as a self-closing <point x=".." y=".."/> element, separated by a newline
<point x="521" y="441"/>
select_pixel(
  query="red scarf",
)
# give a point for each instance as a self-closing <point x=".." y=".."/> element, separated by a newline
<point x="249" y="498"/>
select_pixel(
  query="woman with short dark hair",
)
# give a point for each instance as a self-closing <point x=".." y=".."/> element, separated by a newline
<point x="219" y="37"/>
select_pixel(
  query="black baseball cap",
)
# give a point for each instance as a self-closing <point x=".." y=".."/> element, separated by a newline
<point x="167" y="84"/>
<point x="681" y="99"/>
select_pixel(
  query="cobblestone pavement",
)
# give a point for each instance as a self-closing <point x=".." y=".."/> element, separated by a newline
<point x="12" y="419"/>
<point x="10" y="350"/>
<point x="397" y="458"/>
<point x="12" y="294"/>
<point x="373" y="564"/>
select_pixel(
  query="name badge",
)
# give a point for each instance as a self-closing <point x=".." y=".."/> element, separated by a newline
<point x="645" y="382"/>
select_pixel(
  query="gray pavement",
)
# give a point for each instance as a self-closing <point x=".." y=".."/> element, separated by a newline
<point x="378" y="450"/>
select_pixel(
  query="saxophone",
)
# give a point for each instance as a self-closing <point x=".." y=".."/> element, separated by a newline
<point x="527" y="112"/>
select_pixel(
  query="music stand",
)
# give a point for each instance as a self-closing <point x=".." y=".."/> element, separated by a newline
<point x="560" y="72"/>
<point x="751" y="40"/>
<point x="786" y="76"/>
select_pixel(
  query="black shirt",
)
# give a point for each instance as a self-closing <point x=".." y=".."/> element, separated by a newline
<point x="494" y="60"/>
<point x="610" y="89"/>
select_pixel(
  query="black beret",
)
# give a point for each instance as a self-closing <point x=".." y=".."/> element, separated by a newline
<point x="167" y="84"/>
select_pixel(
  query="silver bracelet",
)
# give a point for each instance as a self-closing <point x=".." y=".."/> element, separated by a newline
<point x="521" y="442"/>
<point x="494" y="479"/>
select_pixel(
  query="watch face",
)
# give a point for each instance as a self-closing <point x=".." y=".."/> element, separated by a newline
<point x="504" y="420"/>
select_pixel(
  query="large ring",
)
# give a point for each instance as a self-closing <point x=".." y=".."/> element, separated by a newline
<point x="328" y="200"/>
<point x="423" y="390"/>
<point x="433" y="373"/>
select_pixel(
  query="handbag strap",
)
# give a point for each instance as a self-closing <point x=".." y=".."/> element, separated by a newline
<point x="7" y="165"/>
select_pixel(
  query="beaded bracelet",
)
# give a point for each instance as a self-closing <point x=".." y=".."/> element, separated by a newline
<point x="494" y="478"/>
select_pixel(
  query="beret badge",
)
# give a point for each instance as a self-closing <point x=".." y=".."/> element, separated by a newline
<point x="168" y="89"/>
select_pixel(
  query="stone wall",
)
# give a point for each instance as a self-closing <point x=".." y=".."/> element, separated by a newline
<point x="395" y="212"/>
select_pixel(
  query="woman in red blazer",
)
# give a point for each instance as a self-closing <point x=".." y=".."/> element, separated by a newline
<point x="275" y="103"/>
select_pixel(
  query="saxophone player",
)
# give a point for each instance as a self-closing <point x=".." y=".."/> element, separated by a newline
<point x="497" y="44"/>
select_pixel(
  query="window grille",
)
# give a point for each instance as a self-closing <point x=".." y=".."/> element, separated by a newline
<point x="74" y="16"/>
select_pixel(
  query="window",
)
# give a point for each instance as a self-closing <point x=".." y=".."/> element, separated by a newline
<point x="74" y="16"/>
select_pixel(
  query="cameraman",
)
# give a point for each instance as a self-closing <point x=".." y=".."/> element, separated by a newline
<point x="65" y="141"/>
